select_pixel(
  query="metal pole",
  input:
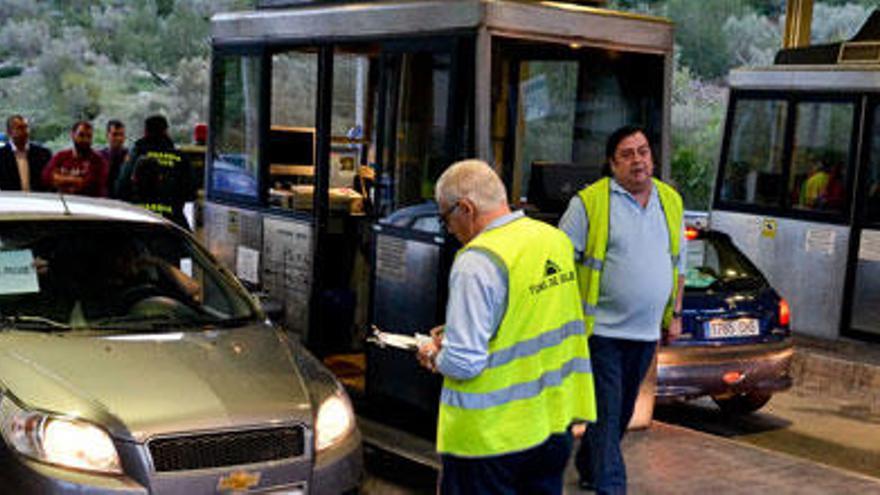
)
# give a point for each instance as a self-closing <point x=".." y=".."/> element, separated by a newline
<point x="798" y="18"/>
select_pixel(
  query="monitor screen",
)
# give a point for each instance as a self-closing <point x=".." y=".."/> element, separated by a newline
<point x="291" y="146"/>
<point x="552" y="184"/>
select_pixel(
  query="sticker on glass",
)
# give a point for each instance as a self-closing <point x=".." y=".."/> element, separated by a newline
<point x="17" y="272"/>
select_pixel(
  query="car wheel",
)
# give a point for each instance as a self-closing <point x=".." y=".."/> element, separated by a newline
<point x="746" y="403"/>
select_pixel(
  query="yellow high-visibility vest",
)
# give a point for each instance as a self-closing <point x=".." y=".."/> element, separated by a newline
<point x="597" y="199"/>
<point x="538" y="377"/>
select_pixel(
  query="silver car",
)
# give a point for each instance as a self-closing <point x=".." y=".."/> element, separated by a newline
<point x="131" y="362"/>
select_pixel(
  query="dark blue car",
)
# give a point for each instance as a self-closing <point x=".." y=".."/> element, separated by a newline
<point x="736" y="343"/>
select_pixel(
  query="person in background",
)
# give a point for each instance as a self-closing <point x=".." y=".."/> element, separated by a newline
<point x="21" y="161"/>
<point x="77" y="170"/>
<point x="513" y="352"/>
<point x="628" y="234"/>
<point x="115" y="153"/>
<point x="157" y="176"/>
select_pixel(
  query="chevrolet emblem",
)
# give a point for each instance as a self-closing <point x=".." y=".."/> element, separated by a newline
<point x="238" y="481"/>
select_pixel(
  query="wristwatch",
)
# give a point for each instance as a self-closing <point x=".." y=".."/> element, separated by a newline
<point x="676" y="314"/>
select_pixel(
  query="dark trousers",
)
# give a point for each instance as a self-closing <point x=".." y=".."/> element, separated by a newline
<point x="618" y="369"/>
<point x="536" y="471"/>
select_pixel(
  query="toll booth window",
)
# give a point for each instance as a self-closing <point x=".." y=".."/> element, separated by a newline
<point x="753" y="170"/>
<point x="290" y="150"/>
<point x="553" y="108"/>
<point x="872" y="194"/>
<point x="421" y="124"/>
<point x="351" y="178"/>
<point x="234" y="162"/>
<point x="820" y="156"/>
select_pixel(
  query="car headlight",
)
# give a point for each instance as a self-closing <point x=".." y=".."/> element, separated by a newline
<point x="334" y="422"/>
<point x="66" y="442"/>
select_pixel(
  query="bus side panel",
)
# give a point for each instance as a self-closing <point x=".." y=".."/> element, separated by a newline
<point x="804" y="261"/>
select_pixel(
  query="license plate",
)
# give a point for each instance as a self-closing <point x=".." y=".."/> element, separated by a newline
<point x="741" y="327"/>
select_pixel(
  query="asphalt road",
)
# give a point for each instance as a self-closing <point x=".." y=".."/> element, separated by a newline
<point x="837" y="432"/>
<point x="840" y="433"/>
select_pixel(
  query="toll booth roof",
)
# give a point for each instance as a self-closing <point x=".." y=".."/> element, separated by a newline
<point x="529" y="19"/>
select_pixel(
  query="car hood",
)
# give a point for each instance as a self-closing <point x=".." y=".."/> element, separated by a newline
<point x="141" y="385"/>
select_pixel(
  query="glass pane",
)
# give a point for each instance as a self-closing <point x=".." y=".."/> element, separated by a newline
<point x="714" y="262"/>
<point x="548" y="96"/>
<point x="128" y="277"/>
<point x="553" y="108"/>
<point x="872" y="198"/>
<point x="291" y="143"/>
<point x="753" y="166"/>
<point x="349" y="183"/>
<point x="820" y="156"/>
<point x="234" y="155"/>
<point x="421" y="126"/>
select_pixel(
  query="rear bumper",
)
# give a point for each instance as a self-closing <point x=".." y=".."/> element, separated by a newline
<point x="691" y="371"/>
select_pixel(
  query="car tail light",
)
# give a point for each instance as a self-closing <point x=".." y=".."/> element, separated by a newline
<point x="691" y="233"/>
<point x="784" y="313"/>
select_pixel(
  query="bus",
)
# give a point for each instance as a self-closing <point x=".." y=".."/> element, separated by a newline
<point x="798" y="184"/>
<point x="330" y="122"/>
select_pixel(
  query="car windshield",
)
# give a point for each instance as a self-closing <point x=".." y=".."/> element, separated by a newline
<point x="714" y="263"/>
<point x="106" y="275"/>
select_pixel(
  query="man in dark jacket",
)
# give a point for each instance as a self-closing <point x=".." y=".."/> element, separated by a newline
<point x="157" y="176"/>
<point x="21" y="161"/>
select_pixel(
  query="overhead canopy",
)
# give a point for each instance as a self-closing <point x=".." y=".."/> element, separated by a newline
<point x="337" y="20"/>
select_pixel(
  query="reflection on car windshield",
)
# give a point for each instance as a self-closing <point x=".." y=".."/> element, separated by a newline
<point x="59" y="275"/>
<point x="714" y="263"/>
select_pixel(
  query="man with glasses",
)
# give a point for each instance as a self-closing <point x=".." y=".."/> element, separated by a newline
<point x="627" y="231"/>
<point x="513" y="351"/>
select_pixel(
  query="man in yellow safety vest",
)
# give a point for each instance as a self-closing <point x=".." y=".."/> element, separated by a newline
<point x="627" y="232"/>
<point x="513" y="350"/>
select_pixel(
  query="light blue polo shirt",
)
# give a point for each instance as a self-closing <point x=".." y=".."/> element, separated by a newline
<point x="636" y="279"/>
<point x="477" y="301"/>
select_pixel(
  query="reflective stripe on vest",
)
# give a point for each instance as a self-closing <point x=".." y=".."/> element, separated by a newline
<point x="519" y="391"/>
<point x="596" y="199"/>
<point x="538" y="377"/>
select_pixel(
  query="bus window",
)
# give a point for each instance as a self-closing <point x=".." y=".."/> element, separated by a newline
<point x="820" y="155"/>
<point x="753" y="168"/>
<point x="235" y="163"/>
<point x="291" y="147"/>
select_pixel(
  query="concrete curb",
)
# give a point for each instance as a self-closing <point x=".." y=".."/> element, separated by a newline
<point x="837" y="369"/>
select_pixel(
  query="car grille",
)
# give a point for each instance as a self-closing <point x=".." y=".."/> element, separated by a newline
<point x="226" y="449"/>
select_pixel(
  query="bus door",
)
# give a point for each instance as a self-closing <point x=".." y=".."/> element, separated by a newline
<point x="863" y="318"/>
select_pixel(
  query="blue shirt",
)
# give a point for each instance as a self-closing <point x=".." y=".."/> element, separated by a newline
<point x="636" y="279"/>
<point x="477" y="301"/>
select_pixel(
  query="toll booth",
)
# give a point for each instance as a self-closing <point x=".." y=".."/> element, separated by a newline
<point x="798" y="186"/>
<point x="331" y="121"/>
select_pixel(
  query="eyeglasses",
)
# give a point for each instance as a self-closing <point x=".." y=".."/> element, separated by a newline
<point x="444" y="216"/>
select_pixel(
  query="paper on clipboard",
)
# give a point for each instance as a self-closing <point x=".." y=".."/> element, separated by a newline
<point x="397" y="340"/>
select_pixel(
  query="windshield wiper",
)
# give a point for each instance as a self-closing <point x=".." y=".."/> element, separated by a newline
<point x="29" y="322"/>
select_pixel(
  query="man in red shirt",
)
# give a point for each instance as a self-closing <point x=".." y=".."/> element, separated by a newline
<point x="78" y="170"/>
